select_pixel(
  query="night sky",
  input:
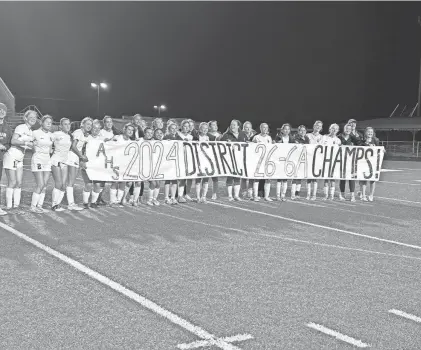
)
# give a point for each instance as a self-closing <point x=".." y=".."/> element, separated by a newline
<point x="275" y="61"/>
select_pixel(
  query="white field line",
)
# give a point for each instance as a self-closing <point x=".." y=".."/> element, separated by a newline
<point x="225" y="228"/>
<point x="205" y="343"/>
<point x="399" y="183"/>
<point x="405" y="315"/>
<point x="389" y="170"/>
<point x="337" y="335"/>
<point x="409" y="169"/>
<point x="146" y="303"/>
<point x="398" y="200"/>
<point x="320" y="226"/>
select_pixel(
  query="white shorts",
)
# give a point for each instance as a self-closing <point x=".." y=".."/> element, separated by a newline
<point x="13" y="159"/>
<point x="57" y="162"/>
<point x="41" y="162"/>
<point x="72" y="160"/>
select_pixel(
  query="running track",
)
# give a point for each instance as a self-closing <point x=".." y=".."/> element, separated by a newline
<point x="293" y="275"/>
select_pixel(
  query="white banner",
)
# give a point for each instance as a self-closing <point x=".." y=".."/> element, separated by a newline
<point x="171" y="160"/>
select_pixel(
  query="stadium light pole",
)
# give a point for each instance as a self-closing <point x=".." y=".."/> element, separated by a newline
<point x="98" y="87"/>
<point x="419" y="82"/>
<point x="160" y="108"/>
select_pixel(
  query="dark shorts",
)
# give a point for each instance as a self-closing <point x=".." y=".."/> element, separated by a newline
<point x="1" y="168"/>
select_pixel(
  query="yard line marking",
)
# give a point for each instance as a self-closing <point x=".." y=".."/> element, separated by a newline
<point x="206" y="343"/>
<point x="146" y="303"/>
<point x="389" y="170"/>
<point x="321" y="226"/>
<point x="400" y="183"/>
<point x="337" y="335"/>
<point x="409" y="169"/>
<point x="406" y="315"/>
<point x="398" y="200"/>
<point x="244" y="232"/>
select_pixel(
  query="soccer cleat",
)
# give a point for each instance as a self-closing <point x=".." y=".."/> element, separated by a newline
<point x="188" y="198"/>
<point x="174" y="201"/>
<point x="150" y="202"/>
<point x="75" y="207"/>
<point x="2" y="212"/>
<point x="313" y="198"/>
<point x="308" y="197"/>
<point x="182" y="200"/>
<point x="325" y="198"/>
<point x="101" y="202"/>
<point x="370" y="198"/>
<point x="352" y="199"/>
<point x="168" y="201"/>
<point x="283" y="199"/>
<point x="278" y="198"/>
<point x="364" y="199"/>
<point x="155" y="202"/>
<point x="198" y="200"/>
<point x="204" y="200"/>
<point x="244" y="194"/>
<point x="256" y="199"/>
<point x="230" y="199"/>
<point x="341" y="198"/>
<point x="293" y="197"/>
<point x="36" y="210"/>
<point x="94" y="206"/>
<point x="86" y="206"/>
<point x="58" y="208"/>
<point x="43" y="210"/>
<point x="238" y="199"/>
<point x="332" y="198"/>
<point x="268" y="199"/>
<point x="135" y="204"/>
<point x="214" y="197"/>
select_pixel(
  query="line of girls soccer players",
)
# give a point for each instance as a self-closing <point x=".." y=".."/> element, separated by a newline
<point x="61" y="153"/>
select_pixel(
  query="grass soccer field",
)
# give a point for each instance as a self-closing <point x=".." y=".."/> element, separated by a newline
<point x="222" y="275"/>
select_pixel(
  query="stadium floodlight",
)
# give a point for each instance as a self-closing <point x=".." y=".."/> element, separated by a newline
<point x="99" y="86"/>
<point x="160" y="108"/>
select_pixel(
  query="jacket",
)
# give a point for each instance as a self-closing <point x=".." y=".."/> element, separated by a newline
<point x="229" y="137"/>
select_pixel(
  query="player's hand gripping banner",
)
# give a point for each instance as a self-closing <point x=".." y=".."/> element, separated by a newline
<point x="172" y="160"/>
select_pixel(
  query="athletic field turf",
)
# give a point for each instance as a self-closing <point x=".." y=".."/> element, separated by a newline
<point x="222" y="275"/>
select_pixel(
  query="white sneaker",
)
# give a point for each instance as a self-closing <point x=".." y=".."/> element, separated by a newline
<point x="370" y="198"/>
<point x="150" y="202"/>
<point x="341" y="198"/>
<point x="256" y="199"/>
<point x="43" y="210"/>
<point x="352" y="199"/>
<point x="204" y="200"/>
<point x="188" y="198"/>
<point x="313" y="198"/>
<point x="364" y="199"/>
<point x="230" y="199"/>
<point x="293" y="197"/>
<point x="36" y="210"/>
<point x="214" y="197"/>
<point x="75" y="207"/>
<point x="283" y="199"/>
<point x="238" y="199"/>
<point x="268" y="199"/>
<point x="167" y="201"/>
<point x="308" y="197"/>
<point x="155" y="202"/>
<point x="2" y="212"/>
<point x="325" y="198"/>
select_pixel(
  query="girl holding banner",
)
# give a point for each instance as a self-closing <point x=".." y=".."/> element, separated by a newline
<point x="302" y="138"/>
<point x="283" y="137"/>
<point x="202" y="183"/>
<point x="263" y="137"/>
<point x="330" y="139"/>
<point x="248" y="190"/>
<point x="154" y="186"/>
<point x="75" y="156"/>
<point x="172" y="134"/>
<point x="62" y="142"/>
<point x="234" y="134"/>
<point x="369" y="140"/>
<point x="214" y="135"/>
<point x="347" y="139"/>
<point x="315" y="138"/>
<point x="185" y="135"/>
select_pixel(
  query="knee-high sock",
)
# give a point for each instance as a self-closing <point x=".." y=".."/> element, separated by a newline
<point x="55" y="195"/>
<point x="60" y="197"/>
<point x="278" y="188"/>
<point x="314" y="188"/>
<point x="69" y="193"/>
<point x="205" y="188"/>
<point x="299" y="187"/>
<point x="308" y="189"/>
<point x="326" y="190"/>
<point x="9" y="197"/>
<point x="35" y="198"/>
<point x="41" y="199"/>
<point x="95" y="196"/>
<point x="136" y="193"/>
<point x="86" y="197"/>
<point x="156" y="193"/>
<point x="180" y="191"/>
<point x="173" y="190"/>
<point x="284" y="188"/>
<point x="16" y="197"/>
<point x="267" y="189"/>
<point x="167" y="190"/>
<point x="229" y="190"/>
<point x="332" y="191"/>
<point x="113" y="195"/>
<point x="255" y="189"/>
<point x="237" y="189"/>
<point x="120" y="195"/>
<point x="293" y="189"/>
<point x="198" y="187"/>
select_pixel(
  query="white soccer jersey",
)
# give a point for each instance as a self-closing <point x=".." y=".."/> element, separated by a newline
<point x="120" y="138"/>
<point x="42" y="142"/>
<point x="24" y="132"/>
<point x="328" y="140"/>
<point x="188" y="137"/>
<point x="81" y="138"/>
<point x="263" y="138"/>
<point x="62" y="143"/>
<point x="203" y="138"/>
<point x="314" y="139"/>
<point x="107" y="134"/>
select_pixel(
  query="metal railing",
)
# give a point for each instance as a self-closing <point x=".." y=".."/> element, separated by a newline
<point x="402" y="147"/>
